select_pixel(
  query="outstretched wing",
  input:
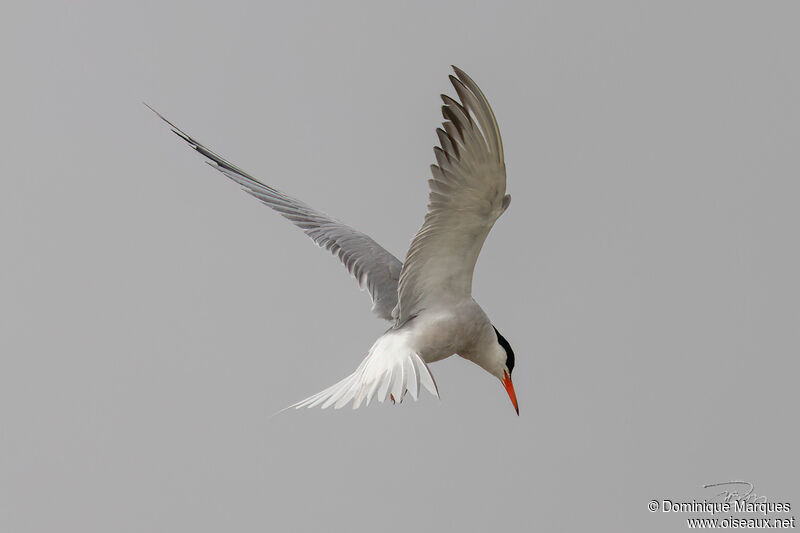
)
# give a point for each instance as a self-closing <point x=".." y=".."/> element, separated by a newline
<point x="373" y="267"/>
<point x="467" y="196"/>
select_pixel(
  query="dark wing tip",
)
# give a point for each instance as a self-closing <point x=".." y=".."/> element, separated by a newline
<point x="451" y="110"/>
<point x="463" y="76"/>
<point x="175" y="129"/>
<point x="452" y="102"/>
<point x="159" y="115"/>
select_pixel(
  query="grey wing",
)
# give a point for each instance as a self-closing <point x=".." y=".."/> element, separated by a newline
<point x="467" y="196"/>
<point x="374" y="268"/>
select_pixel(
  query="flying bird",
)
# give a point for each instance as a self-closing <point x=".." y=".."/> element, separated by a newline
<point x="427" y="297"/>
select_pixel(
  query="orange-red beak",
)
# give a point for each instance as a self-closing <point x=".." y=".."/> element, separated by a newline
<point x="510" y="390"/>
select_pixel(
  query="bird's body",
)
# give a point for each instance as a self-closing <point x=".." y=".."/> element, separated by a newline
<point x="461" y="328"/>
<point x="428" y="297"/>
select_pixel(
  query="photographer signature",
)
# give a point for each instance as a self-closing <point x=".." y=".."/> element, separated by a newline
<point x="735" y="491"/>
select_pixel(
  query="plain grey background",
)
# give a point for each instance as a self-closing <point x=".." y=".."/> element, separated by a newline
<point x="153" y="317"/>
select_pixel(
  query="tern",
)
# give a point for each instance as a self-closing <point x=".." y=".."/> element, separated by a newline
<point x="427" y="297"/>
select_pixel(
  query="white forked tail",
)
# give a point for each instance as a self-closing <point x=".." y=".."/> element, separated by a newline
<point x="388" y="371"/>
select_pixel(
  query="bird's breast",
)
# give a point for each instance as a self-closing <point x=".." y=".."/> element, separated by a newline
<point x="438" y="334"/>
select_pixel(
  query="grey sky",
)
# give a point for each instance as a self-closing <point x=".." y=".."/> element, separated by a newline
<point x="152" y="316"/>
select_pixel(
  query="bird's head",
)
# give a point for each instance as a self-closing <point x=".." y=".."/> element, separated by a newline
<point x="503" y="371"/>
